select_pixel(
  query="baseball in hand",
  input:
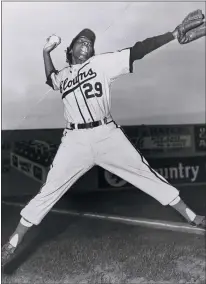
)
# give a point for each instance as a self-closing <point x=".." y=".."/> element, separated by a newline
<point x="51" y="40"/>
<point x="54" y="39"/>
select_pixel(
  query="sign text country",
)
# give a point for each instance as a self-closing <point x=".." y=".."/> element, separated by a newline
<point x="179" y="172"/>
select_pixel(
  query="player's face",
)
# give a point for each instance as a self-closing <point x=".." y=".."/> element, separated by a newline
<point x="82" y="49"/>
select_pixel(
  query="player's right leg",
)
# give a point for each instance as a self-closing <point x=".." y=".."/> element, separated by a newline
<point x="73" y="159"/>
<point x="119" y="156"/>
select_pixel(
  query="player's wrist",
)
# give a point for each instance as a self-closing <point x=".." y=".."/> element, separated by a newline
<point x="46" y="52"/>
<point x="175" y="33"/>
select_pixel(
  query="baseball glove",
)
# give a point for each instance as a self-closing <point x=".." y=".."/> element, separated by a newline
<point x="191" y="28"/>
<point x="195" y="15"/>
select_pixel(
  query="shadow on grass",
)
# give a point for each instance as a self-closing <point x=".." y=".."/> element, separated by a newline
<point x="49" y="229"/>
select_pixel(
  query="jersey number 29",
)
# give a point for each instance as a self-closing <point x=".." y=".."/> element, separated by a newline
<point x="96" y="90"/>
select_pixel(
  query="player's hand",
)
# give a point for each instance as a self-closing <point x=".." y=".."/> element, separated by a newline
<point x="51" y="43"/>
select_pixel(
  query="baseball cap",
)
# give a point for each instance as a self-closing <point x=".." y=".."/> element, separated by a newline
<point x="88" y="34"/>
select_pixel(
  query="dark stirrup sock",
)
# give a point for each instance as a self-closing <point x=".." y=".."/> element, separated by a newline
<point x="20" y="231"/>
<point x="179" y="205"/>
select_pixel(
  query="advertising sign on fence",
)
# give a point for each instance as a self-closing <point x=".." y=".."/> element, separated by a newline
<point x="200" y="138"/>
<point x="161" y="139"/>
<point x="29" y="168"/>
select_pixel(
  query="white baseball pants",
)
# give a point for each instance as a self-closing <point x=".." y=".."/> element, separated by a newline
<point x="105" y="146"/>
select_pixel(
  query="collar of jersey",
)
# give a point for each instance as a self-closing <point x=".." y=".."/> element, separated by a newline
<point x="78" y="65"/>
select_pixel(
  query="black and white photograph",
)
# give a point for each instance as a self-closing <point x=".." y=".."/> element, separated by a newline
<point x="103" y="142"/>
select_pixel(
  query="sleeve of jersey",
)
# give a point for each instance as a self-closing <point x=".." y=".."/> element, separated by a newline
<point x="116" y="63"/>
<point x="54" y="80"/>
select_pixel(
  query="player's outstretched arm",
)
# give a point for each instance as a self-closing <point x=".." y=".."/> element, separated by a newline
<point x="142" y="48"/>
<point x="52" y="43"/>
<point x="192" y="28"/>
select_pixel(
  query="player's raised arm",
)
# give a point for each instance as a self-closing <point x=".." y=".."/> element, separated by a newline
<point x="192" y="28"/>
<point x="52" y="42"/>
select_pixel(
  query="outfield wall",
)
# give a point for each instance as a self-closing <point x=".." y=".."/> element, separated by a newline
<point x="176" y="151"/>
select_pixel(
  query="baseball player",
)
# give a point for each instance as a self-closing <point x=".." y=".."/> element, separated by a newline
<point x="91" y="136"/>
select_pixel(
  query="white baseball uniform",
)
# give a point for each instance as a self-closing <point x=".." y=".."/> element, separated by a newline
<point x="85" y="90"/>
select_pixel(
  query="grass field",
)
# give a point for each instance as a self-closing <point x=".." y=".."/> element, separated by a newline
<point x="75" y="250"/>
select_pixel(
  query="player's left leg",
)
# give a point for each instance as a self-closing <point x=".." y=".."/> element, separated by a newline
<point x="121" y="158"/>
<point x="73" y="159"/>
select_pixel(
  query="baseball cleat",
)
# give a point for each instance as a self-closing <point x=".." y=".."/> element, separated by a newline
<point x="199" y="222"/>
<point x="7" y="253"/>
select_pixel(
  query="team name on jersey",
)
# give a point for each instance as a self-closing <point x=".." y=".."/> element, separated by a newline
<point x="67" y="86"/>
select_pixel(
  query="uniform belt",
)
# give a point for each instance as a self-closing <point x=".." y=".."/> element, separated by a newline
<point x="88" y="124"/>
